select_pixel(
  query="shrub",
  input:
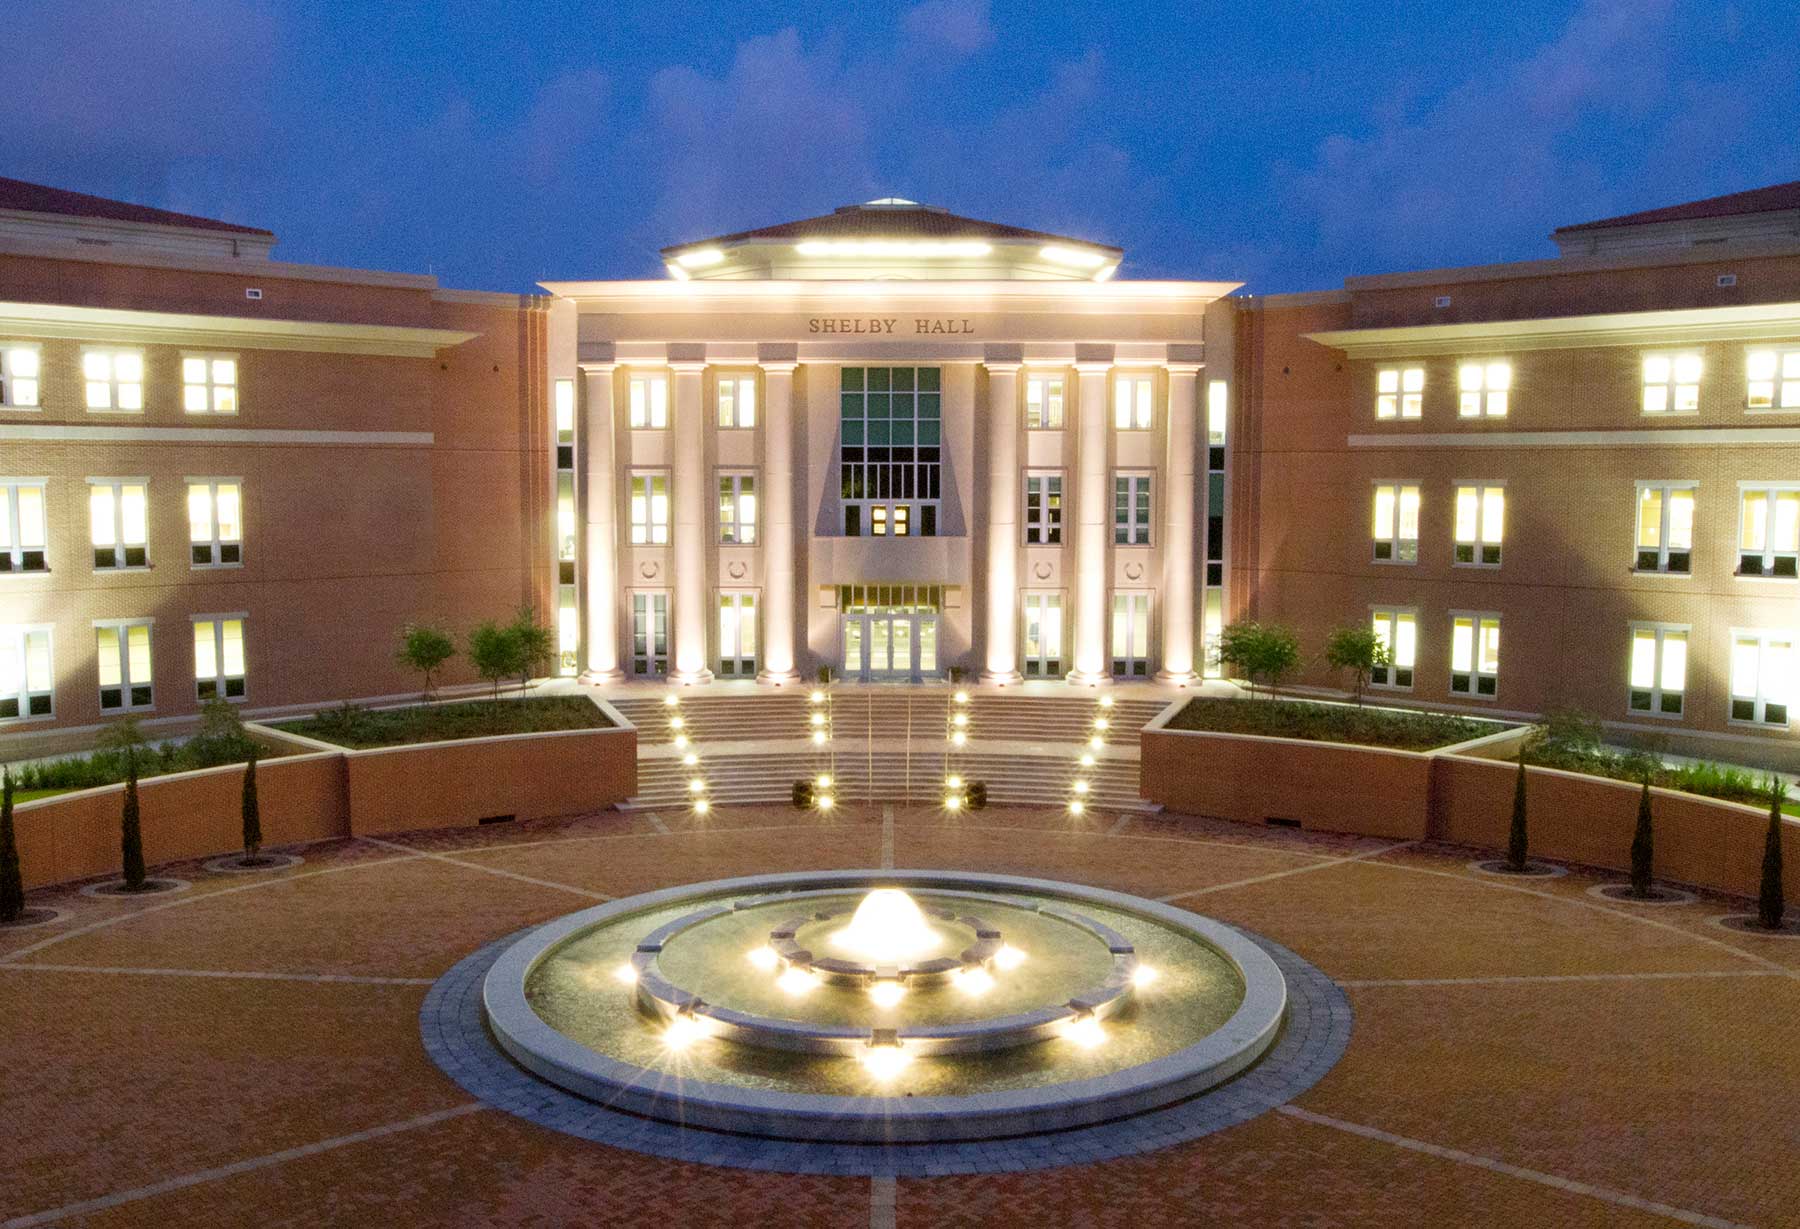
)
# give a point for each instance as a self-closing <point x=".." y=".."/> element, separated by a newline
<point x="1359" y="650"/>
<point x="803" y="795"/>
<point x="12" y="887"/>
<point x="1261" y="651"/>
<point x="425" y="649"/>
<point x="1643" y="849"/>
<point x="977" y="795"/>
<point x="131" y="836"/>
<point x="495" y="652"/>
<point x="1770" y="902"/>
<point x="252" y="813"/>
<point x="1517" y="851"/>
<point x="1339" y="723"/>
<point x="536" y="645"/>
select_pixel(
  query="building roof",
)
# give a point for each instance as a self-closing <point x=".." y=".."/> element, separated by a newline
<point x="890" y="218"/>
<point x="1777" y="198"/>
<point x="17" y="194"/>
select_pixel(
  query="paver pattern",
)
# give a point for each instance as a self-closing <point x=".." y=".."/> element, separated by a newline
<point x="1523" y="1053"/>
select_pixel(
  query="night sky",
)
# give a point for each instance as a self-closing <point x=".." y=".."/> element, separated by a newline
<point x="1284" y="144"/>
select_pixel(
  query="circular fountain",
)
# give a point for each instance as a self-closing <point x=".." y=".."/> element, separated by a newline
<point x="884" y="1006"/>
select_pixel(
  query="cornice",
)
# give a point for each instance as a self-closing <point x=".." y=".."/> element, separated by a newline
<point x="239" y="332"/>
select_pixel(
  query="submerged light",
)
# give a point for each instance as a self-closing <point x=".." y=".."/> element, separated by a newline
<point x="886" y="994"/>
<point x="884" y="1062"/>
<point x="1085" y="1031"/>
<point x="763" y="957"/>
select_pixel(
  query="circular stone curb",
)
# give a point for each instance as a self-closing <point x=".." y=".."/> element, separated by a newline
<point x="1312" y="1040"/>
<point x="34" y="917"/>
<point x="1745" y="924"/>
<point x="1533" y="870"/>
<point x="1620" y="893"/>
<point x="272" y="862"/>
<point x="156" y="885"/>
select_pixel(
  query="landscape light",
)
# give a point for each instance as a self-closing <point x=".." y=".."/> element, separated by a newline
<point x="691" y="758"/>
<point x="961" y="719"/>
<point x="1081" y="787"/>
<point x="701" y="806"/>
<point x="682" y="1032"/>
<point x="962" y="697"/>
<point x="1143" y="975"/>
<point x="1087" y="759"/>
<point x="681" y="740"/>
<point x="671" y="700"/>
<point x="697" y="786"/>
<point x="824" y="802"/>
<point x="973" y="981"/>
<point x="824" y="780"/>
<point x="952" y="802"/>
<point x="819" y="737"/>
<point x="625" y="975"/>
<point x="764" y="957"/>
<point x="884" y="1062"/>
<point x="886" y="994"/>
<point x="1106" y="701"/>
<point x="959" y="738"/>
<point x="818" y="697"/>
<point x="1077" y="806"/>
<point x="1085" y="1031"/>
<point x="676" y="723"/>
<point x="1096" y="742"/>
<point x="1008" y="958"/>
<point x="797" y="981"/>
<point x="1102" y="723"/>
<point x="818" y="718"/>
<point x="953" y="781"/>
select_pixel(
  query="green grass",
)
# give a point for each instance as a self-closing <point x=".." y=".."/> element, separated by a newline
<point x="1402" y="731"/>
<point x="31" y="795"/>
<point x="360" y="728"/>
<point x="107" y="767"/>
<point x="1727" y="781"/>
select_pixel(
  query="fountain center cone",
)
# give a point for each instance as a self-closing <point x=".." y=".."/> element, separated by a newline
<point x="888" y="927"/>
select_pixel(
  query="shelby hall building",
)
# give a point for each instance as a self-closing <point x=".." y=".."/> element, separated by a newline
<point x="895" y="441"/>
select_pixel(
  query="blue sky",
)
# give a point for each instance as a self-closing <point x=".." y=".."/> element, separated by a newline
<point x="1285" y="144"/>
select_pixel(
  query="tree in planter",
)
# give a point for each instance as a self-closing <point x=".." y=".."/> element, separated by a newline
<point x="1359" y="650"/>
<point x="131" y="836"/>
<point x="425" y="649"/>
<point x="1643" y="849"/>
<point x="1266" y="651"/>
<point x="536" y="647"/>
<point x="252" y="815"/>
<point x="495" y="652"/>
<point x="1516" y="837"/>
<point x="1770" y="901"/>
<point x="12" y="887"/>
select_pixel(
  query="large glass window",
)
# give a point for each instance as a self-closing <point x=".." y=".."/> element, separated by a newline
<point x="1131" y="635"/>
<point x="22" y="527"/>
<point x="649" y="402"/>
<point x="215" y="522"/>
<point x="1480" y="524"/>
<point x="1043" y="635"/>
<point x="1484" y="389"/>
<point x="650" y="634"/>
<point x="1763" y="668"/>
<point x="122" y="652"/>
<point x="1769" y="531"/>
<point x="114" y="379"/>
<point x="26" y="680"/>
<point x="1475" y="655"/>
<point x="890" y="448"/>
<point x="1043" y="509"/>
<point x="1131" y="509"/>
<point x="737" y="635"/>
<point x="1132" y="403"/>
<point x="1658" y="669"/>
<point x="1396" y="522"/>
<point x="219" y="657"/>
<point x="737" y="401"/>
<point x="1400" y="392"/>
<point x="209" y="383"/>
<point x="1773" y="379"/>
<point x="1044" y="403"/>
<point x="649" y="509"/>
<point x="1672" y="383"/>
<point x="20" y="383"/>
<point x="116" y="522"/>
<point x="737" y="509"/>
<point x="1398" y="630"/>
<point x="1665" y="526"/>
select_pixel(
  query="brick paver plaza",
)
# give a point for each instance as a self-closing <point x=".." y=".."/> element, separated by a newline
<point x="249" y="1051"/>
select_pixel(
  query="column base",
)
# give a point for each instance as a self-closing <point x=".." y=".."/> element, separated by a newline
<point x="1087" y="678"/>
<point x="601" y="678"/>
<point x="1177" y="678"/>
<point x="1001" y="678"/>
<point x="691" y="678"/>
<point x="778" y="678"/>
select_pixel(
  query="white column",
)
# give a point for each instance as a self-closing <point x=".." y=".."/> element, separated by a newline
<point x="1092" y="510"/>
<point x="1003" y="525"/>
<point x="687" y="474"/>
<point x="778" y="524"/>
<point x="602" y="574"/>
<point x="1178" y="528"/>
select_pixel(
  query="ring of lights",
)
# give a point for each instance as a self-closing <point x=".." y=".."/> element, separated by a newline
<point x="560" y="1060"/>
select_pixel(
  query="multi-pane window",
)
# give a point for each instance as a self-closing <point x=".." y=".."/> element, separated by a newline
<point x="1043" y="635"/>
<point x="890" y="449"/>
<point x="1774" y="379"/>
<point x="1400" y="392"/>
<point x="565" y="424"/>
<point x="1132" y="403"/>
<point x="737" y="509"/>
<point x="1044" y="403"/>
<point x="1131" y="635"/>
<point x="1475" y="654"/>
<point x="650" y="634"/>
<point x="1658" y="669"/>
<point x="1763" y="668"/>
<point x="1769" y="530"/>
<point x="737" y="401"/>
<point x="1398" y="631"/>
<point x="1212" y="615"/>
<point x="1483" y="389"/>
<point x="1043" y="509"/>
<point x="215" y="522"/>
<point x="114" y="379"/>
<point x="20" y="386"/>
<point x="22" y="532"/>
<point x="116" y="522"/>
<point x="122" y="651"/>
<point x="219" y="657"/>
<point x="1131" y="509"/>
<point x="209" y="383"/>
<point x="650" y="402"/>
<point x="649" y="509"/>
<point x="1480" y="524"/>
<point x="26" y="682"/>
<point x="1396" y="524"/>
<point x="1665" y="526"/>
<point x="737" y="635"/>
<point x="1672" y="383"/>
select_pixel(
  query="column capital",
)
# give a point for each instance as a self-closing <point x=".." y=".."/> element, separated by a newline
<point x="687" y="366"/>
<point x="1006" y="366"/>
<point x="1184" y="368"/>
<point x="780" y="365"/>
<point x="597" y="367"/>
<point x="1092" y="367"/>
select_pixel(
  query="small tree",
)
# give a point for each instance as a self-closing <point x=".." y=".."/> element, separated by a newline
<point x="1770" y="901"/>
<point x="1359" y="650"/>
<point x="252" y="813"/>
<point x="495" y="653"/>
<point x="12" y="887"/>
<point x="1265" y="651"/>
<point x="131" y="836"/>
<point x="535" y="646"/>
<point x="1643" y="849"/>
<point x="425" y="649"/>
<point x="1516" y="841"/>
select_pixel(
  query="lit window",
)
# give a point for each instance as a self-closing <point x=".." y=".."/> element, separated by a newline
<point x="1480" y="524"/>
<point x="737" y="635"/>
<point x="209" y="384"/>
<point x="1043" y="635"/>
<point x="649" y="634"/>
<point x="22" y="527"/>
<point x="1400" y="392"/>
<point x="1475" y="655"/>
<point x="1658" y="669"/>
<point x="1774" y="379"/>
<point x="1762" y="676"/>
<point x="737" y="509"/>
<point x="650" y="402"/>
<point x="1131" y="403"/>
<point x="25" y="675"/>
<point x="1218" y="398"/>
<point x="20" y="385"/>
<point x="1398" y="631"/>
<point x="737" y="401"/>
<point x="1044" y="403"/>
<point x="219" y="657"/>
<point x="565" y="525"/>
<point x="1131" y="509"/>
<point x="1396" y="527"/>
<point x="1043" y="509"/>
<point x="122" y="651"/>
<point x="1484" y="388"/>
<point x="114" y="378"/>
<point x="565" y="424"/>
<point x="1671" y="383"/>
<point x="116" y="516"/>
<point x="1665" y="527"/>
<point x="1131" y="635"/>
<point x="215" y="522"/>
<point x="649" y="509"/>
<point x="902" y="520"/>
<point x="890" y="449"/>
<point x="878" y="520"/>
<point x="1769" y="531"/>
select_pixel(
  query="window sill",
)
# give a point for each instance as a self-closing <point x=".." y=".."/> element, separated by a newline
<point x="1765" y="726"/>
<point x="115" y="413"/>
<point x="21" y="409"/>
<point x="1407" y="563"/>
<point x="208" y="414"/>
<point x="215" y="567"/>
<point x="145" y="567"/>
<point x="1474" y="695"/>
<point x="1390" y="690"/>
<point x="1663" y="572"/>
<point x="1654" y="716"/>
<point x="7" y="723"/>
<point x="1479" y="567"/>
<point x="1772" y="409"/>
<point x="21" y="573"/>
<point x="1045" y="430"/>
<point x="1652" y="415"/>
<point x="127" y="712"/>
<point x="1780" y="580"/>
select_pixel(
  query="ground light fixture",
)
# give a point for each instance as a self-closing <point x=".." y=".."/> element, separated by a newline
<point x="1106" y="701"/>
<point x="1087" y="759"/>
<point x="625" y="975"/>
<point x="1143" y="975"/>
<point x="1085" y="1031"/>
<point x="797" y="981"/>
<point x="690" y="759"/>
<point x="1008" y="958"/>
<point x="671" y="700"/>
<point x="952" y="802"/>
<point x="763" y="958"/>
<point x="682" y="1032"/>
<point x="1077" y="807"/>
<point x="886" y="1060"/>
<point x="701" y="806"/>
<point x="824" y="802"/>
<point x="1081" y="787"/>
<point x="824" y="781"/>
<point x="886" y="993"/>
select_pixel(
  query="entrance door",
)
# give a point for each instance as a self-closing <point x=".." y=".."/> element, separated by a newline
<point x="1043" y="635"/>
<point x="887" y="647"/>
<point x="650" y="634"/>
<point x="737" y="635"/>
<point x="1131" y="635"/>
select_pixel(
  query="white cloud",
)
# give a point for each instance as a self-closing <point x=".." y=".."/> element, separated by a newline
<point x="962" y="26"/>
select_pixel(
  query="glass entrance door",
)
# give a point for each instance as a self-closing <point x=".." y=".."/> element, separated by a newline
<point x="1043" y="635"/>
<point x="887" y="647"/>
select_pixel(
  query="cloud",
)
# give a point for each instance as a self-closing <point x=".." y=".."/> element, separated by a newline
<point x="962" y="26"/>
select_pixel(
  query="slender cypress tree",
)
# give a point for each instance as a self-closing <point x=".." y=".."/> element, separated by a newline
<point x="252" y="814"/>
<point x="1770" y="904"/>
<point x="12" y="887"/>
<point x="131" y="836"/>
<point x="1643" y="848"/>
<point x="1515" y="838"/>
